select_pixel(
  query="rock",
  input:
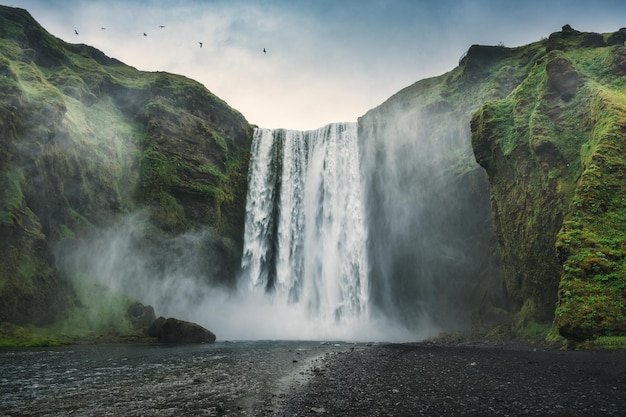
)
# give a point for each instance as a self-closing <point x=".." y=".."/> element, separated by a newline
<point x="617" y="38"/>
<point x="619" y="62"/>
<point x="56" y="188"/>
<point x="156" y="327"/>
<point x="592" y="40"/>
<point x="172" y="330"/>
<point x="562" y="78"/>
<point x="140" y="316"/>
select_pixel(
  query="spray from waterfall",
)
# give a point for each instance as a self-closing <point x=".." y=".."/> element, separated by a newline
<point x="306" y="269"/>
<point x="305" y="235"/>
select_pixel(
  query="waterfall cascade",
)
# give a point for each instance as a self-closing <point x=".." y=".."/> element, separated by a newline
<point x="305" y="235"/>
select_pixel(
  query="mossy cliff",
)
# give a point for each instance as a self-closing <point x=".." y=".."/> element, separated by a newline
<point x="432" y="247"/>
<point x="85" y="139"/>
<point x="554" y="150"/>
<point x="495" y="193"/>
<point x="540" y="239"/>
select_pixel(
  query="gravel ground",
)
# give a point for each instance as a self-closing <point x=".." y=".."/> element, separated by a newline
<point x="435" y="379"/>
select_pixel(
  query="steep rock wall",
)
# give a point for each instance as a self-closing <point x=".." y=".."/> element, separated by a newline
<point x="432" y="248"/>
<point x="85" y="139"/>
<point x="554" y="154"/>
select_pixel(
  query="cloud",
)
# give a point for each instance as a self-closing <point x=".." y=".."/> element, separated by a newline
<point x="326" y="60"/>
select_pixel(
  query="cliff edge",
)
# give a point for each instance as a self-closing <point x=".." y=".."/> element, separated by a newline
<point x="85" y="140"/>
<point x="554" y="151"/>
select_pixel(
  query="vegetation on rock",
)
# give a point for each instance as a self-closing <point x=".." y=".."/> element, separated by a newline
<point x="554" y="151"/>
<point x="85" y="139"/>
<point x="547" y="125"/>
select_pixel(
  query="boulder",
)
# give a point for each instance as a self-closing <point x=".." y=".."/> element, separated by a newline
<point x="617" y="38"/>
<point x="140" y="316"/>
<point x="562" y="77"/>
<point x="172" y="330"/>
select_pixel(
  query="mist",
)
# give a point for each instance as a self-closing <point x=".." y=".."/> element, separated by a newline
<point x="179" y="277"/>
<point x="428" y="214"/>
<point x="376" y="231"/>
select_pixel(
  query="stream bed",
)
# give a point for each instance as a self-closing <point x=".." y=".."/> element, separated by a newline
<point x="221" y="379"/>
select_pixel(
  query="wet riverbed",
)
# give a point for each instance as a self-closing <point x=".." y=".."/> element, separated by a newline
<point x="222" y="379"/>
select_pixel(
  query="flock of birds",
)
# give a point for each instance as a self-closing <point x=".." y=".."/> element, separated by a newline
<point x="145" y="34"/>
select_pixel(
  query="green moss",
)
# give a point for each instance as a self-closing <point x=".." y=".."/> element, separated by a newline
<point x="555" y="337"/>
<point x="592" y="241"/>
<point x="11" y="197"/>
<point x="212" y="171"/>
<point x="101" y="318"/>
<point x="219" y="141"/>
<point x="17" y="336"/>
<point x="41" y="93"/>
<point x="100" y="313"/>
<point x="536" y="330"/>
<point x="70" y="84"/>
<point x="525" y="326"/>
<point x="169" y="213"/>
<point x="158" y="171"/>
<point x="160" y="106"/>
<point x="89" y="138"/>
<point x="65" y="233"/>
<point x="611" y="342"/>
<point x="557" y="173"/>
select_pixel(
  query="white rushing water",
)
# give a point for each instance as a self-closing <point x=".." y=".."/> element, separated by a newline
<point x="305" y="235"/>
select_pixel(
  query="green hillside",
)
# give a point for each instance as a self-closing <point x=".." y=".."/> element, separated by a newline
<point x="86" y="139"/>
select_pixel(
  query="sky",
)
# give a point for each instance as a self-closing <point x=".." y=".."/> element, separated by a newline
<point x="326" y="60"/>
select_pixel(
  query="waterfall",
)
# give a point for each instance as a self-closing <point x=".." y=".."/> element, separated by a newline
<point x="305" y="235"/>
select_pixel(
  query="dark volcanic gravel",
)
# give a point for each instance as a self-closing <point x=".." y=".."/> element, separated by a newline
<point x="430" y="379"/>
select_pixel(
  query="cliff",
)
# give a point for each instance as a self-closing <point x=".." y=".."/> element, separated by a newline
<point x="554" y="153"/>
<point x="85" y="140"/>
<point x="433" y="246"/>
<point x="495" y="194"/>
<point x="537" y="243"/>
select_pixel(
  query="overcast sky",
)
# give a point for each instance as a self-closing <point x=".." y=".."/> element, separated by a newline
<point x="326" y="61"/>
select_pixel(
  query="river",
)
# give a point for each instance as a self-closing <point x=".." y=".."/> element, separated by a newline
<point x="221" y="379"/>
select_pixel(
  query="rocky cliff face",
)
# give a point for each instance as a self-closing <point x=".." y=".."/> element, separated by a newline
<point x="540" y="239"/>
<point x="554" y="152"/>
<point x="495" y="192"/>
<point x="85" y="139"/>
<point x="432" y="247"/>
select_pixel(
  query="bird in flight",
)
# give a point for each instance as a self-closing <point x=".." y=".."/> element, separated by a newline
<point x="144" y="34"/>
<point x="200" y="44"/>
<point x="264" y="51"/>
<point x="103" y="28"/>
<point x="161" y="26"/>
<point x="75" y="31"/>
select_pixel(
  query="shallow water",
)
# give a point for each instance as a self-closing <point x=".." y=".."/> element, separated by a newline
<point x="221" y="379"/>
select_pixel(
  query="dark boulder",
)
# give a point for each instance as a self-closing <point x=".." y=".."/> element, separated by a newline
<point x="592" y="40"/>
<point x="562" y="78"/>
<point x="140" y="316"/>
<point x="619" y="61"/>
<point x="172" y="330"/>
<point x="617" y="38"/>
